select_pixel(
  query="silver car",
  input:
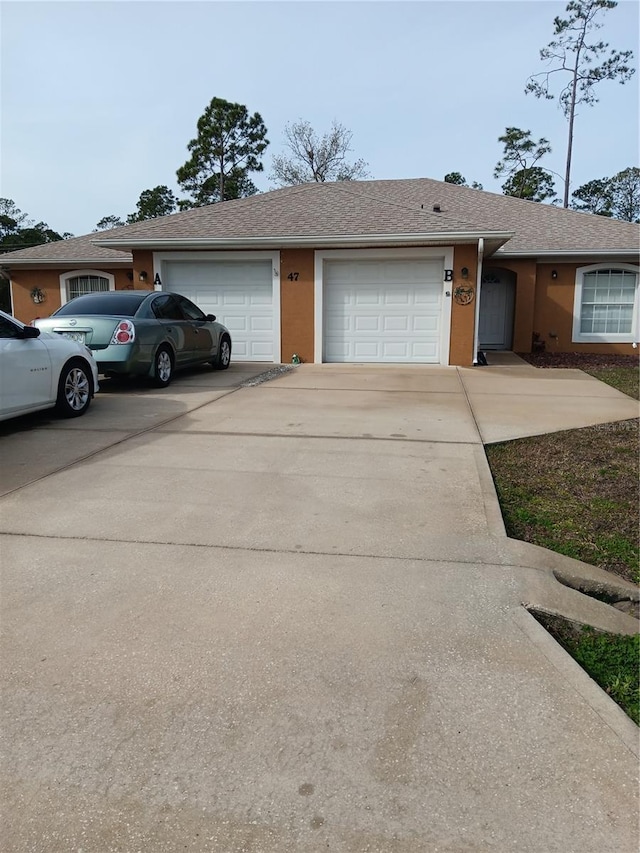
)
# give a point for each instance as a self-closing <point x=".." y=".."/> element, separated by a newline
<point x="39" y="370"/>
<point x="142" y="333"/>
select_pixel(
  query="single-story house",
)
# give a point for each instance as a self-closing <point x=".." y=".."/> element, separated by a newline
<point x="402" y="271"/>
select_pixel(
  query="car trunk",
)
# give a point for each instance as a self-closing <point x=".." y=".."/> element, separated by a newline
<point x="96" y="332"/>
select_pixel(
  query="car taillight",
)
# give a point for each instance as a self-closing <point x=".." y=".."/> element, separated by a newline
<point x="125" y="333"/>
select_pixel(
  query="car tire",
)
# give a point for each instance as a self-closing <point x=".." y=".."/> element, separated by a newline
<point x="223" y="359"/>
<point x="163" y="367"/>
<point x="75" y="389"/>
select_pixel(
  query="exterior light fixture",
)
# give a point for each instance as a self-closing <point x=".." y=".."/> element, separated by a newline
<point x="465" y="272"/>
<point x="554" y="274"/>
<point x="143" y="276"/>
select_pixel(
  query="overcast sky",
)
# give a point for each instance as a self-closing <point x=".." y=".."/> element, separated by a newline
<point x="99" y="100"/>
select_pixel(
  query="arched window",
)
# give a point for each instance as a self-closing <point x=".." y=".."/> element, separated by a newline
<point x="605" y="308"/>
<point x="79" y="282"/>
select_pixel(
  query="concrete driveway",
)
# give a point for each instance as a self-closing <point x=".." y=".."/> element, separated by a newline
<point x="286" y="617"/>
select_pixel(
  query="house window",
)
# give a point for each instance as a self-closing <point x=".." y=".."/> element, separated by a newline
<point x="78" y="282"/>
<point x="81" y="284"/>
<point x="606" y="304"/>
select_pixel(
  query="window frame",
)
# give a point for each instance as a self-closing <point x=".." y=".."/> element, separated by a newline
<point x="579" y="337"/>
<point x="64" y="279"/>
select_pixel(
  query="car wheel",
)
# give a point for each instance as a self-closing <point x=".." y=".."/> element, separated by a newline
<point x="75" y="389"/>
<point x="223" y="359"/>
<point x="163" y="367"/>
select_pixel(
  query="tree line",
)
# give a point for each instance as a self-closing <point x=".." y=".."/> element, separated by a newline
<point x="230" y="143"/>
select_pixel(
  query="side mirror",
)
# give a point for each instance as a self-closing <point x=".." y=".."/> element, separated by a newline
<point x="30" y="332"/>
<point x="211" y="318"/>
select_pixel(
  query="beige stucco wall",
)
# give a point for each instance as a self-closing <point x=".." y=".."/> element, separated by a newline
<point x="553" y="312"/>
<point x="48" y="280"/>
<point x="543" y="305"/>
<point x="463" y="316"/>
<point x="297" y="304"/>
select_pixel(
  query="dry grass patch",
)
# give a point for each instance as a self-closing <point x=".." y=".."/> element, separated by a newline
<point x="575" y="492"/>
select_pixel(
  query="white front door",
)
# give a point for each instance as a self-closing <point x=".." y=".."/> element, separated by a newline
<point x="383" y="310"/>
<point x="239" y="293"/>
<point x="495" y="327"/>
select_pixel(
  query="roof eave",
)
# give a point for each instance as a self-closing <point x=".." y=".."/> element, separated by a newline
<point x="64" y="262"/>
<point x="308" y="241"/>
<point x="568" y="254"/>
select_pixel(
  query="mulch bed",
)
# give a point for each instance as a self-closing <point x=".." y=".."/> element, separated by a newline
<point x="579" y="360"/>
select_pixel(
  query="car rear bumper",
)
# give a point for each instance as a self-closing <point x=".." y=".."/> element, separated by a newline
<point x="124" y="359"/>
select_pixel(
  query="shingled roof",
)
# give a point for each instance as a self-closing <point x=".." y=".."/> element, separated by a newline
<point x="305" y="212"/>
<point x="417" y="208"/>
<point x="415" y="211"/>
<point x="74" y="250"/>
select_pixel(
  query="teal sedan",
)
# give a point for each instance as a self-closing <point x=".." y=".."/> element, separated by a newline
<point x="142" y="333"/>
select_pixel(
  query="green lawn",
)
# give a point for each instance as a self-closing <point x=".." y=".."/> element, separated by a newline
<point x="576" y="492"/>
<point x="625" y="379"/>
<point x="610" y="659"/>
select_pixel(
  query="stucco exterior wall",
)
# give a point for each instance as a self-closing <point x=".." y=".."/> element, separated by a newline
<point x="543" y="305"/>
<point x="143" y="263"/>
<point x="297" y="304"/>
<point x="48" y="281"/>
<point x="525" y="272"/>
<point x="463" y="316"/>
<point x="553" y="312"/>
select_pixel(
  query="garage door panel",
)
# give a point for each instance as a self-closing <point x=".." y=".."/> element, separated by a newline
<point x="395" y="351"/>
<point x="261" y="324"/>
<point x="426" y="352"/>
<point x="261" y="352"/>
<point x="425" y="324"/>
<point x="382" y="310"/>
<point x="428" y="300"/>
<point x="366" y="349"/>
<point x="396" y="324"/>
<point x="236" y="324"/>
<point x="233" y="300"/>
<point x="368" y="298"/>
<point x="398" y="299"/>
<point x="239" y="293"/>
<point x="367" y="324"/>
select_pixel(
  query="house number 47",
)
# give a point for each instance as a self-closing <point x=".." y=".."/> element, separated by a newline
<point x="293" y="276"/>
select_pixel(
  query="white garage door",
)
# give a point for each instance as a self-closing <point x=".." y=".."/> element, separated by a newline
<point x="239" y="293"/>
<point x="383" y="310"/>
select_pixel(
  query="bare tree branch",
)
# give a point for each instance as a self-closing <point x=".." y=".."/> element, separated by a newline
<point x="312" y="157"/>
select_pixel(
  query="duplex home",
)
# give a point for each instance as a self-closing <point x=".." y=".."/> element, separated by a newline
<point x="400" y="271"/>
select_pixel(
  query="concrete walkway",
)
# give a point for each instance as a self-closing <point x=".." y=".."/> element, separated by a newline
<point x="287" y="618"/>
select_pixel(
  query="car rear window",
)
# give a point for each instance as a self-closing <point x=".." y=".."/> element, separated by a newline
<point x="116" y="304"/>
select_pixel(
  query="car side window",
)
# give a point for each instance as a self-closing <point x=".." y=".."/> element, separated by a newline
<point x="166" y="308"/>
<point x="8" y="330"/>
<point x="191" y="311"/>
